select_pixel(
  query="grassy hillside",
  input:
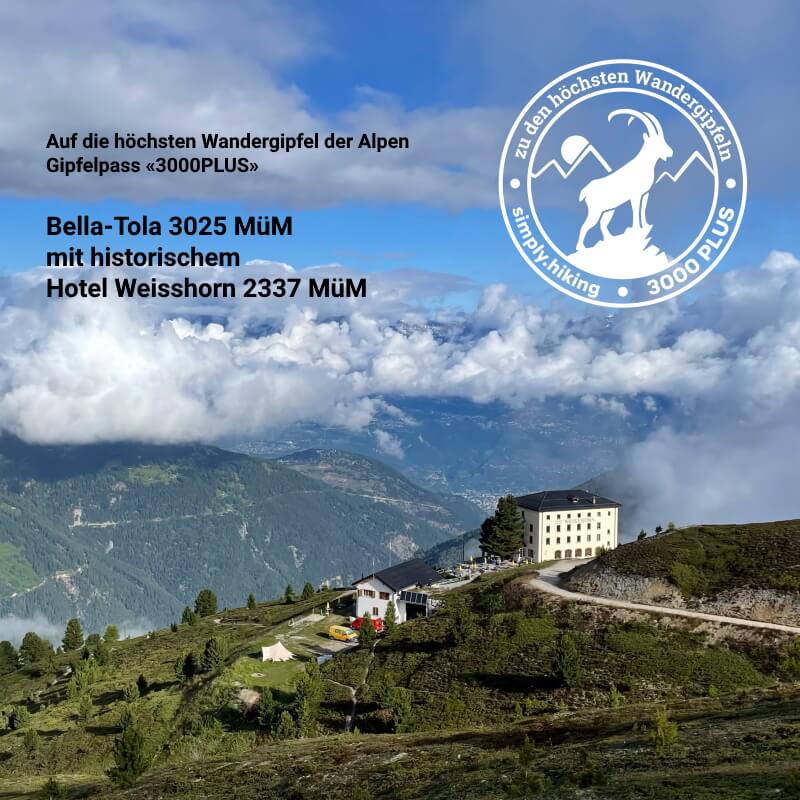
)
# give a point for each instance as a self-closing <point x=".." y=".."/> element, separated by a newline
<point x="370" y="478"/>
<point x="480" y="676"/>
<point x="707" y="559"/>
<point x="129" y="533"/>
<point x="444" y="706"/>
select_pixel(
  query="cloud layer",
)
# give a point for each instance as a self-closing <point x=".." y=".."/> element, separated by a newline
<point x="726" y="368"/>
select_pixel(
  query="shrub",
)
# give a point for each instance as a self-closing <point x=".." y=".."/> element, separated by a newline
<point x="663" y="732"/>
<point x="52" y="790"/>
<point x="569" y="663"/>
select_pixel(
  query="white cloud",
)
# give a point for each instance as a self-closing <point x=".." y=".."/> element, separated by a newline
<point x="90" y="370"/>
<point x="13" y="628"/>
<point x="389" y="444"/>
<point x="139" y="67"/>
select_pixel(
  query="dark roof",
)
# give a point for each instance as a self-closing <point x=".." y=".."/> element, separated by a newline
<point x="410" y="573"/>
<point x="561" y="499"/>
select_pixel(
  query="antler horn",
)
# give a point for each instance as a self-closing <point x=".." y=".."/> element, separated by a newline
<point x="649" y="121"/>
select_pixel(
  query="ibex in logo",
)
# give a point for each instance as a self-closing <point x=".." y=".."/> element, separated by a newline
<point x="631" y="183"/>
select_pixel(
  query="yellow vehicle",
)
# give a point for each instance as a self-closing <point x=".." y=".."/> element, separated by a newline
<point x="342" y="634"/>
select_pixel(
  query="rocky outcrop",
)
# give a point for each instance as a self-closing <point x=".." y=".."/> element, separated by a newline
<point x="765" y="605"/>
<point x="600" y="579"/>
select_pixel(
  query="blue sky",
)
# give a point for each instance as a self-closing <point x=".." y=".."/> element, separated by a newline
<point x="410" y="63"/>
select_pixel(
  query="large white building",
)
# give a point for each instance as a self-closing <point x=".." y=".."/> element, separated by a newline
<point x="568" y="523"/>
<point x="400" y="584"/>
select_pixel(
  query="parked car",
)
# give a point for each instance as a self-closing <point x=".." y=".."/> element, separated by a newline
<point x="377" y="623"/>
<point x="342" y="633"/>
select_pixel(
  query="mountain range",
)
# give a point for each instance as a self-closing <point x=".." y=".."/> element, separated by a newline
<point x="129" y="533"/>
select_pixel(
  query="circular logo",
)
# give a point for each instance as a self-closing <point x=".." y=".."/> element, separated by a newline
<point x="622" y="183"/>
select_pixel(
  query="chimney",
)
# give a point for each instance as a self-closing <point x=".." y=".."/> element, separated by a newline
<point x="594" y="499"/>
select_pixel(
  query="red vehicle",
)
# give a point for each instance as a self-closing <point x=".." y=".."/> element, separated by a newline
<point x="377" y="623"/>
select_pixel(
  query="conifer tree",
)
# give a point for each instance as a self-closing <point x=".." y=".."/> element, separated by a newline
<point x="286" y="727"/>
<point x="288" y="595"/>
<point x="268" y="709"/>
<point x="52" y="790"/>
<point x="308" y="591"/>
<point x="251" y="601"/>
<point x="34" y="649"/>
<point x="73" y="635"/>
<point x="111" y="634"/>
<point x="142" y="685"/>
<point x="366" y="633"/>
<point x="206" y="603"/>
<point x="309" y="691"/>
<point x="85" y="708"/>
<point x="130" y="754"/>
<point x="390" y="618"/>
<point x="189" y="617"/>
<point x="503" y="534"/>
<point x="569" y="664"/>
<point x="213" y="655"/>
<point x="9" y="658"/>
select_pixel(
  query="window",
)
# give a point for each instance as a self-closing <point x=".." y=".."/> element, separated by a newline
<point x="547" y="541"/>
<point x="569" y="515"/>
<point x="569" y="527"/>
<point x="588" y="551"/>
<point x="598" y="526"/>
<point x="609" y="513"/>
<point x="558" y="516"/>
<point x="577" y="538"/>
<point x="530" y="540"/>
<point x="384" y="595"/>
<point x="375" y="612"/>
<point x="366" y="593"/>
<point x="557" y="554"/>
<point x="579" y="526"/>
<point x="558" y="529"/>
<point x="579" y="515"/>
<point x="598" y="537"/>
<point x="578" y="553"/>
<point x="548" y="529"/>
<point x="558" y="540"/>
<point x="568" y="554"/>
<point x="548" y="516"/>
<point x="568" y="539"/>
<point x="531" y="528"/>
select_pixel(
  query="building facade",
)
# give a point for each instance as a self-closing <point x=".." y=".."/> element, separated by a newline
<point x="402" y="585"/>
<point x="568" y="523"/>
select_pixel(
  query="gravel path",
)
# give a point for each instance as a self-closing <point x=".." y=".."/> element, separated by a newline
<point x="549" y="578"/>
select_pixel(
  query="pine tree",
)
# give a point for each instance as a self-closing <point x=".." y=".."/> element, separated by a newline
<point x="309" y="691"/>
<point x="503" y="534"/>
<point x="366" y="633"/>
<point x="130" y="755"/>
<point x="73" y="635"/>
<point x="390" y="618"/>
<point x="52" y="790"/>
<point x="142" y="685"/>
<point x="642" y="535"/>
<point x="34" y="649"/>
<point x="268" y="709"/>
<point x="102" y="653"/>
<point x="213" y="655"/>
<point x="251" y="601"/>
<point x="189" y="617"/>
<point x="111" y="634"/>
<point x="130" y="694"/>
<point x="206" y="603"/>
<point x="85" y="708"/>
<point x="9" y="658"/>
<point x="30" y="741"/>
<point x="569" y="664"/>
<point x="308" y="591"/>
<point x="286" y="727"/>
<point x="288" y="595"/>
